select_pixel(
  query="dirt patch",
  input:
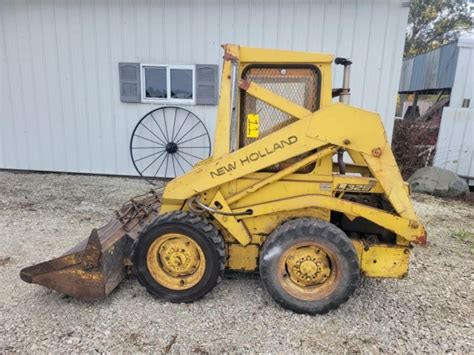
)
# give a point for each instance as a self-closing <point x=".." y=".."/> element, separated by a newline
<point x="5" y="261"/>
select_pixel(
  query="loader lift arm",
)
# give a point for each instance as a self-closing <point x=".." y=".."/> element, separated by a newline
<point x="314" y="131"/>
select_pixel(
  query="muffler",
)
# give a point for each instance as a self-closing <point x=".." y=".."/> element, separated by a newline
<point x="345" y="94"/>
<point x="96" y="266"/>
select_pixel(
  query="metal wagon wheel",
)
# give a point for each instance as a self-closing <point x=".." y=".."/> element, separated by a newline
<point x="167" y="142"/>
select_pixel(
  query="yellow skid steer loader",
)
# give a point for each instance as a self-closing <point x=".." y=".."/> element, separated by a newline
<point x="304" y="190"/>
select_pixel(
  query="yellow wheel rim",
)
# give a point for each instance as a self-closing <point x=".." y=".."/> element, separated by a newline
<point x="307" y="271"/>
<point x="176" y="261"/>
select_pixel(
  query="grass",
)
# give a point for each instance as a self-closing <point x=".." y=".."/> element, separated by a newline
<point x="465" y="236"/>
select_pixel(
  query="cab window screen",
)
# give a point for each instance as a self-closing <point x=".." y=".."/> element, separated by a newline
<point x="297" y="84"/>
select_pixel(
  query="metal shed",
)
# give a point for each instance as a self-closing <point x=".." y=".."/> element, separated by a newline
<point x="455" y="146"/>
<point x="60" y="107"/>
<point x="431" y="71"/>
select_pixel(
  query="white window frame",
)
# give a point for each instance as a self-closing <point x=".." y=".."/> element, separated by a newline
<point x="168" y="98"/>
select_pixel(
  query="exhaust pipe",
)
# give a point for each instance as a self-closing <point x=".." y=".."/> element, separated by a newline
<point x="345" y="95"/>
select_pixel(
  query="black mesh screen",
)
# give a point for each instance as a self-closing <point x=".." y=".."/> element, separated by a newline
<point x="299" y="85"/>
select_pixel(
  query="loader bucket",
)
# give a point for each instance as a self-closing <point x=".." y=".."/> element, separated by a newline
<point x="94" y="267"/>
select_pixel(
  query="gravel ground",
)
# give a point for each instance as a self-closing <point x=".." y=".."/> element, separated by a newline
<point x="42" y="215"/>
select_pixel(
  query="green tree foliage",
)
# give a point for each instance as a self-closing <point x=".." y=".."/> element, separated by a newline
<point x="432" y="23"/>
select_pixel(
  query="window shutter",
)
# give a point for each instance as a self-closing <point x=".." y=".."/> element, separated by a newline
<point x="207" y="84"/>
<point x="129" y="76"/>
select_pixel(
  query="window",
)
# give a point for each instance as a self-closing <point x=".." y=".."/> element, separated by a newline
<point x="179" y="84"/>
<point x="155" y="82"/>
<point x="168" y="83"/>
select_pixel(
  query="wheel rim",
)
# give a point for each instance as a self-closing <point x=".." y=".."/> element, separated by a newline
<point x="176" y="261"/>
<point x="308" y="271"/>
<point x="167" y="142"/>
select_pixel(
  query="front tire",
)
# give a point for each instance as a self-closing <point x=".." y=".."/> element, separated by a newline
<point x="309" y="266"/>
<point x="180" y="257"/>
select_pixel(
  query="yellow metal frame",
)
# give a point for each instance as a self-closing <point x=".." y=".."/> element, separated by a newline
<point x="232" y="181"/>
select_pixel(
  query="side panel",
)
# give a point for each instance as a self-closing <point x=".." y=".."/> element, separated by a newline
<point x="385" y="261"/>
<point x="243" y="258"/>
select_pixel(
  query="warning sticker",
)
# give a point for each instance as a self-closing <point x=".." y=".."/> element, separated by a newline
<point x="253" y="125"/>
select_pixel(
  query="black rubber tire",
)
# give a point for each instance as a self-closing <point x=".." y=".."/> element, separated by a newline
<point x="203" y="233"/>
<point x="331" y="239"/>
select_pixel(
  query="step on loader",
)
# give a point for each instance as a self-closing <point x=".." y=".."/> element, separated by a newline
<point x="304" y="190"/>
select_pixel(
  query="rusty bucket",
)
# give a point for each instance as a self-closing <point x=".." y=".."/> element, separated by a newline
<point x="94" y="267"/>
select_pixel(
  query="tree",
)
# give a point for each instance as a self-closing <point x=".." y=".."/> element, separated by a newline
<point x="432" y="23"/>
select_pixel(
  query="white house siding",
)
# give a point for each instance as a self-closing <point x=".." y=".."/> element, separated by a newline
<point x="455" y="146"/>
<point x="59" y="99"/>
<point x="463" y="86"/>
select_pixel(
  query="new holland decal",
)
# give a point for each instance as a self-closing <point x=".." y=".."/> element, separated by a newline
<point x="253" y="157"/>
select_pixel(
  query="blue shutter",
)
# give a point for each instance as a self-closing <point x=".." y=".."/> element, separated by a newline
<point x="129" y="76"/>
<point x="207" y="84"/>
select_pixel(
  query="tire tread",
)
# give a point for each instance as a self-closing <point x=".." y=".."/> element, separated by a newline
<point x="327" y="231"/>
<point x="199" y="223"/>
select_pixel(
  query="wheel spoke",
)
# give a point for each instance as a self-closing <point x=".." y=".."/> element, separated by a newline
<point x="192" y="155"/>
<point x="159" y="167"/>
<point x="166" y="170"/>
<point x="166" y="125"/>
<point x="149" y="140"/>
<point x="174" y="122"/>
<point x="157" y="125"/>
<point x="174" y="166"/>
<point x="177" y="160"/>
<point x="181" y="147"/>
<point x="149" y="155"/>
<point x="150" y="147"/>
<point x="191" y="165"/>
<point x="182" y="124"/>
<point x="189" y="130"/>
<point x="204" y="134"/>
<point x="151" y="163"/>
<point x="149" y="130"/>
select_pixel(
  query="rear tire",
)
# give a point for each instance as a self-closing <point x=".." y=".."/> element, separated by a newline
<point x="309" y="266"/>
<point x="180" y="257"/>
